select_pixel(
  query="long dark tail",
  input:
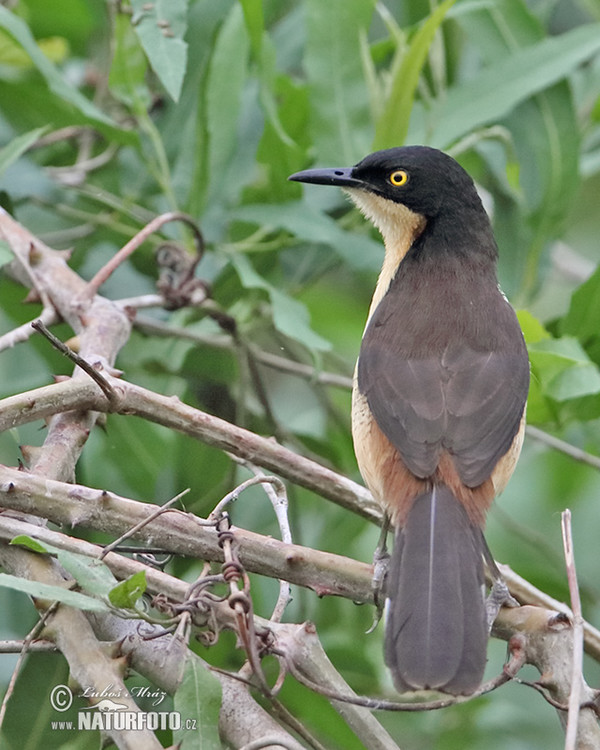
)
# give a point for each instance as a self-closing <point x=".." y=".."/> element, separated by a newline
<point x="436" y="629"/>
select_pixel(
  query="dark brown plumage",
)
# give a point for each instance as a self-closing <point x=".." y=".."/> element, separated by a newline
<point x="438" y="405"/>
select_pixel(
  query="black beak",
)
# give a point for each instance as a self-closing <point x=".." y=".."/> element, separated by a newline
<point x="341" y="177"/>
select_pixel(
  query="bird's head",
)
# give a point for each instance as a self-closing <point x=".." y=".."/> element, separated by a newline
<point x="421" y="178"/>
<point x="402" y="189"/>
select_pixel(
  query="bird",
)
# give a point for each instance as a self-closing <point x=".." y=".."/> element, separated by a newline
<point x="438" y="406"/>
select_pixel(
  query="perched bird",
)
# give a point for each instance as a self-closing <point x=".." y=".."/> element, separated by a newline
<point x="438" y="409"/>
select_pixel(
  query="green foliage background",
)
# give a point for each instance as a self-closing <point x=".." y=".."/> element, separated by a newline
<point x="209" y="115"/>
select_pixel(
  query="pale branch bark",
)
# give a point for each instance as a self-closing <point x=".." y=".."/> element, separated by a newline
<point x="544" y="635"/>
<point x="45" y="402"/>
<point x="323" y="572"/>
<point x="103" y="328"/>
<point x="170" y="412"/>
<point x="89" y="664"/>
<point x="134" y="243"/>
<point x="177" y="532"/>
<point x="161" y="666"/>
<point x="71" y="429"/>
<point x="302" y="645"/>
<point x="24" y="332"/>
<point x="547" y="639"/>
<point x="106" y="325"/>
<point x="577" y="638"/>
<point x="37" y="645"/>
<point x="242" y="719"/>
<point x="42" y="402"/>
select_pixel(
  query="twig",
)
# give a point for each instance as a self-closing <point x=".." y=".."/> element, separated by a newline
<point x="141" y="302"/>
<point x="277" y="494"/>
<point x="561" y="445"/>
<point x="232" y="496"/>
<point x="381" y="704"/>
<point x="96" y="376"/>
<point x="274" y="741"/>
<point x="577" y="666"/>
<point x="158" y="512"/>
<point x="72" y="504"/>
<point x="16" y="646"/>
<point x="153" y="327"/>
<point x="75" y="174"/>
<point x="153" y="226"/>
<point x="24" y="649"/>
<point x="48" y="317"/>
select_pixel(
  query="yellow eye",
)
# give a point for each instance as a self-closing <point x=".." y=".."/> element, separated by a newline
<point x="399" y="177"/>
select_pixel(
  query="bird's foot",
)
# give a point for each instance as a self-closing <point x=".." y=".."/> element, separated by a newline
<point x="381" y="564"/>
<point x="499" y="597"/>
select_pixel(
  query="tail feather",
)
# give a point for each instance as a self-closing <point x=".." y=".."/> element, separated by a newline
<point x="436" y="629"/>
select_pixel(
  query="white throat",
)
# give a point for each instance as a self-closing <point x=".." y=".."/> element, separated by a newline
<point x="399" y="226"/>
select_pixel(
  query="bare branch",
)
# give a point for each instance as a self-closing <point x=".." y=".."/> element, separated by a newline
<point x="24" y="332"/>
<point x="134" y="529"/>
<point x="153" y="226"/>
<point x="547" y="641"/>
<point x="94" y="374"/>
<point x="178" y="532"/>
<point x="172" y="413"/>
<point x="561" y="445"/>
<point x="577" y="666"/>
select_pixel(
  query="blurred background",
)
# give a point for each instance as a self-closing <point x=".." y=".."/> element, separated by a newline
<point x="114" y="112"/>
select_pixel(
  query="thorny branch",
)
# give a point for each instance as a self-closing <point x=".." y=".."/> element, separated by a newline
<point x="535" y="635"/>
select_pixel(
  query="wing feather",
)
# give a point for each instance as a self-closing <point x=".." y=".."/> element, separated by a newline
<point x="439" y="379"/>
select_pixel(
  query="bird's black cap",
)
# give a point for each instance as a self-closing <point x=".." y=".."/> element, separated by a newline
<point x="422" y="178"/>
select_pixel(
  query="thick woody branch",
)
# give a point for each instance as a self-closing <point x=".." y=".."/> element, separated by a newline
<point x="547" y="640"/>
<point x="172" y="413"/>
<point x="178" y="532"/>
<point x="103" y="328"/>
<point x="70" y="630"/>
<point x="544" y="636"/>
<point x="325" y="573"/>
<point x="155" y="657"/>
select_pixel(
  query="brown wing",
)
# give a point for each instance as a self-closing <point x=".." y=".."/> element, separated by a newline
<point x="446" y="378"/>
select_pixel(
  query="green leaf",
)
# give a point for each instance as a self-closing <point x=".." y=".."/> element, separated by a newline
<point x="360" y="251"/>
<point x="290" y="317"/>
<point x="126" y="593"/>
<point x="32" y="544"/>
<point x="545" y="134"/>
<point x="53" y="593"/>
<point x="533" y="330"/>
<point x="127" y="77"/>
<point x="224" y="89"/>
<point x="583" y="318"/>
<point x="563" y="369"/>
<point x="160" y="26"/>
<point x="393" y="123"/>
<point x="498" y="89"/>
<point x="91" y="574"/>
<point x="21" y="33"/>
<point x="18" y="146"/>
<point x="198" y="697"/>
<point x="255" y="23"/>
<point x="340" y="119"/>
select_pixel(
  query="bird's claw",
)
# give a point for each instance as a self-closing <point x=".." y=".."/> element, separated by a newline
<point x="381" y="564"/>
<point x="499" y="597"/>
